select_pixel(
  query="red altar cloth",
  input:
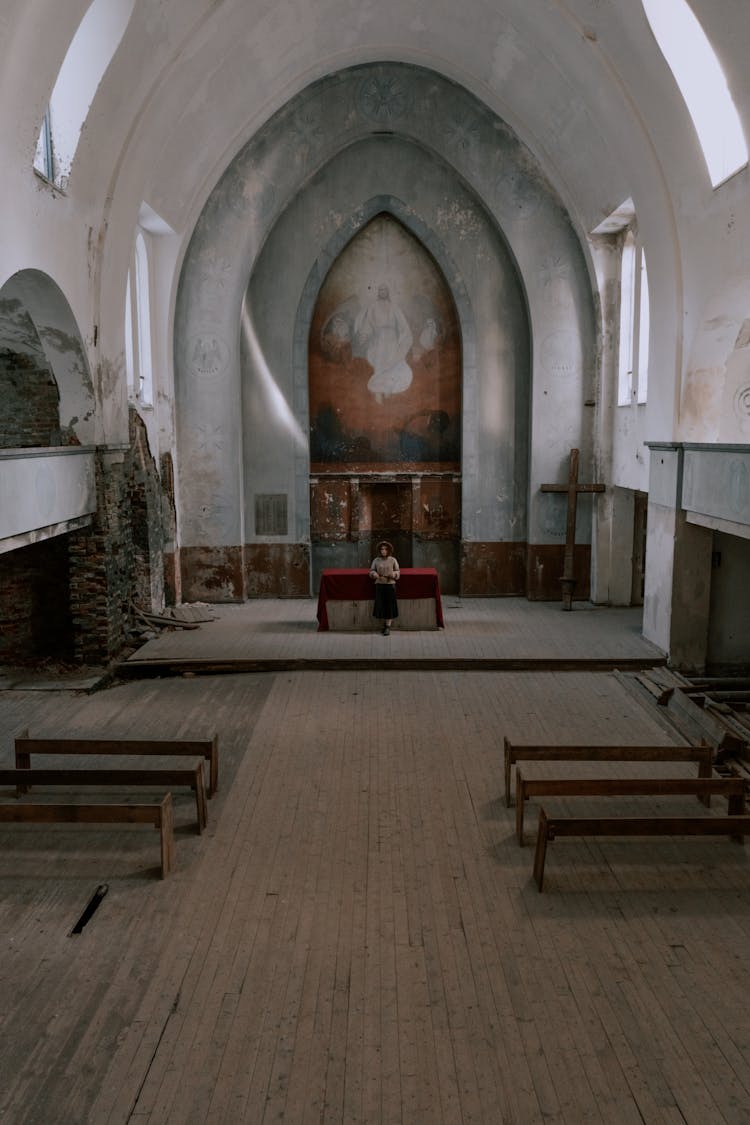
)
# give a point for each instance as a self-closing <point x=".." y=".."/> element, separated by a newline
<point x="356" y="585"/>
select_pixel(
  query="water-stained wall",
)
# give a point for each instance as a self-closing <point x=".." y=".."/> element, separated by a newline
<point x="402" y="141"/>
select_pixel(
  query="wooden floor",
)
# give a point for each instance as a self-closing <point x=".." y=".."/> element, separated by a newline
<point x="475" y="629"/>
<point x="357" y="937"/>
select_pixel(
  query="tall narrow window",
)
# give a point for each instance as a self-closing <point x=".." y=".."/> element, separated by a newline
<point x="138" y="342"/>
<point x="130" y="371"/>
<point x="644" y="328"/>
<point x="702" y="83"/>
<point x="627" y="320"/>
<point x="632" y="380"/>
<point x="143" y="321"/>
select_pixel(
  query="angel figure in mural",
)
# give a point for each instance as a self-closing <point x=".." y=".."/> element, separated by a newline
<point x="336" y="339"/>
<point x="383" y="331"/>
<point x="429" y="339"/>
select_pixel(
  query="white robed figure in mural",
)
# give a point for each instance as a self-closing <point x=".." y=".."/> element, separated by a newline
<point x="383" y="330"/>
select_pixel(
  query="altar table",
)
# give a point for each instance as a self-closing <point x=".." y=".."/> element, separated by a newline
<point x="355" y="587"/>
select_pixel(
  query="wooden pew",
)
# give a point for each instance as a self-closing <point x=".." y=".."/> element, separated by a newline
<point x="733" y="788"/>
<point x="517" y="752"/>
<point x="192" y="777"/>
<point x="154" y="747"/>
<point x="160" y="815"/>
<point x="551" y="827"/>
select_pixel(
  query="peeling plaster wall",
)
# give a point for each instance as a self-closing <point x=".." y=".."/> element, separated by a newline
<point x="30" y="302"/>
<point x="469" y="174"/>
<point x="453" y="226"/>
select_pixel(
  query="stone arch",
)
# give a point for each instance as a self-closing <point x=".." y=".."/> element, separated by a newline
<point x="491" y="181"/>
<point x="356" y="222"/>
<point x="430" y="239"/>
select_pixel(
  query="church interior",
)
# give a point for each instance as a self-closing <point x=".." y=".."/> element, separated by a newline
<point x="279" y="281"/>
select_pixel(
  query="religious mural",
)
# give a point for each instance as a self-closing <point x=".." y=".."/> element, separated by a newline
<point x="385" y="359"/>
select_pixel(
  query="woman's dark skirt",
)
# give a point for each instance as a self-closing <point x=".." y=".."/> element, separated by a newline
<point x="385" y="606"/>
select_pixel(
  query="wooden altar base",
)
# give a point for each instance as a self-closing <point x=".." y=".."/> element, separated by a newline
<point x="356" y="616"/>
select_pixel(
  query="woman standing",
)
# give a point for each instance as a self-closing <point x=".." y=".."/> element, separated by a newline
<point x="385" y="572"/>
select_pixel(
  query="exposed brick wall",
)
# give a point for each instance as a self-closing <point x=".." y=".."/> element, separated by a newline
<point x="101" y="569"/>
<point x="119" y="559"/>
<point x="30" y="402"/>
<point x="147" y="528"/>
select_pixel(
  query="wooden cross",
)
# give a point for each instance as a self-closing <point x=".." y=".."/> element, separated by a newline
<point x="572" y="488"/>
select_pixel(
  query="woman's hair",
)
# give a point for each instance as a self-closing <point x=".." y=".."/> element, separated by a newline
<point x="386" y="544"/>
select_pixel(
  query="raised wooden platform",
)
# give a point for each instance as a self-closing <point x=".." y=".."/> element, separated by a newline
<point x="142" y="667"/>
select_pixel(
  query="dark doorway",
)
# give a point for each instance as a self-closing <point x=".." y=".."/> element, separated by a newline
<point x="639" y="548"/>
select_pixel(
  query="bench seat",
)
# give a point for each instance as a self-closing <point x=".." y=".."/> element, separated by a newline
<point x="733" y="788"/>
<point x="158" y="814"/>
<point x="516" y="752"/>
<point x="192" y="777"/>
<point x="737" y="827"/>
<point x="206" y="748"/>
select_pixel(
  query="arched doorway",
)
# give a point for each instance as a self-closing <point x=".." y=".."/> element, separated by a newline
<point x="384" y="364"/>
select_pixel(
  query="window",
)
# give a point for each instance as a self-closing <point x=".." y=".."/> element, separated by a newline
<point x="702" y="83"/>
<point x="138" y="343"/>
<point x="644" y="328"/>
<point x="627" y="321"/>
<point x="143" y="320"/>
<point x="43" y="159"/>
<point x="632" y="380"/>
<point x="88" y="56"/>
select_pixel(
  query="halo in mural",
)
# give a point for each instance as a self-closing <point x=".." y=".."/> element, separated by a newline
<point x="384" y="357"/>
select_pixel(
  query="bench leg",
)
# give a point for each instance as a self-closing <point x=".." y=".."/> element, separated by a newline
<point x="23" y="762"/>
<point x="201" y="807"/>
<point x="705" y="770"/>
<point x="520" y="802"/>
<point x="541" y="850"/>
<point x="166" y="832"/>
<point x="507" y="777"/>
<point x="213" y="779"/>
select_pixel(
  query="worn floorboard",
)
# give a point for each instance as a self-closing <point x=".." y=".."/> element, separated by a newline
<point x="357" y="936"/>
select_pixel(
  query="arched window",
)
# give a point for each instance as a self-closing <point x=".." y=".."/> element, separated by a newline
<point x="702" y="83"/>
<point x="632" y="378"/>
<point x="89" y="54"/>
<point x="627" y="321"/>
<point x="130" y="371"/>
<point x="143" y="320"/>
<point x="644" y="327"/>
<point x="138" y="342"/>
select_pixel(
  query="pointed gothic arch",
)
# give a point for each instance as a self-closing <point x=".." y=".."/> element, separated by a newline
<point x="423" y="492"/>
<point x="264" y="242"/>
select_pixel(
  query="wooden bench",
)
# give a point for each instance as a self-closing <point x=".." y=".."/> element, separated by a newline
<point x="551" y="827"/>
<point x="517" y="752"/>
<point x="192" y="777"/>
<point x="733" y="788"/>
<point x="160" y="815"/>
<point x="206" y="748"/>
